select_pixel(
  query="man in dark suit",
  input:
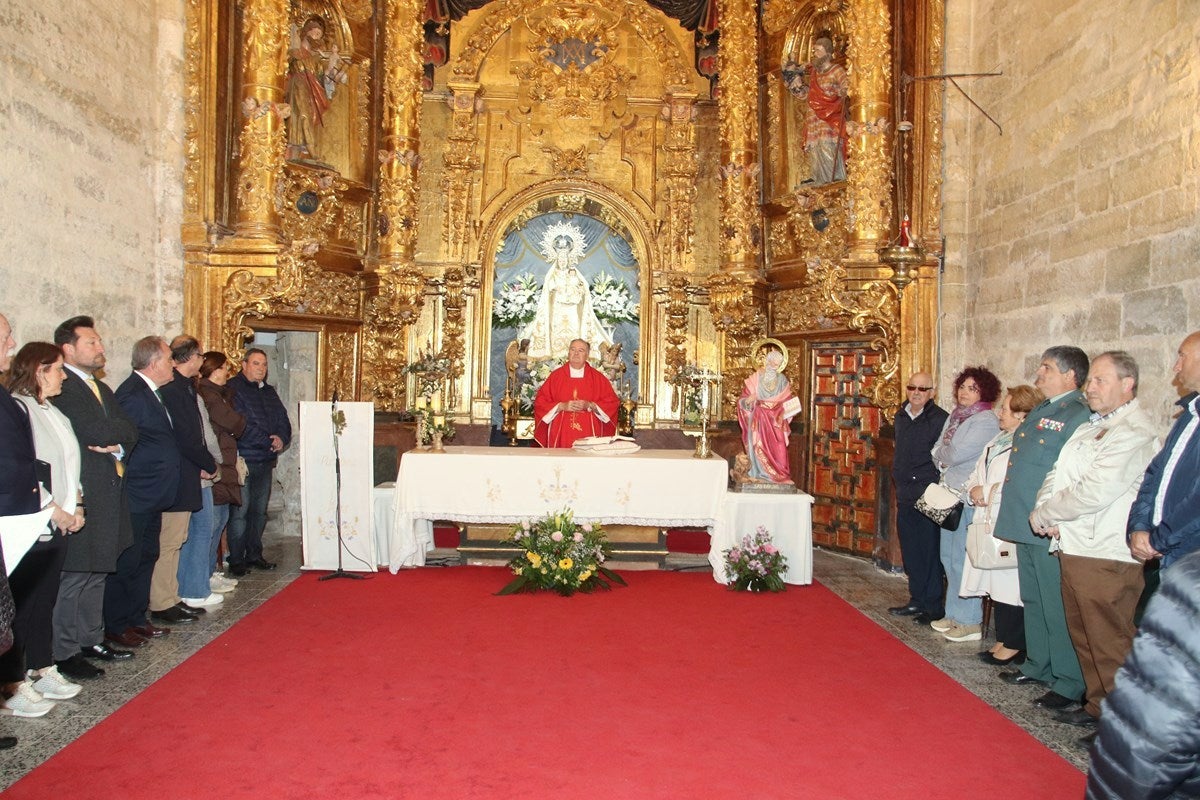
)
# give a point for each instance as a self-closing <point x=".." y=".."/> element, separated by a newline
<point x="918" y="426"/>
<point x="1050" y="659"/>
<point x="179" y="396"/>
<point x="151" y="482"/>
<point x="18" y="482"/>
<point x="105" y="437"/>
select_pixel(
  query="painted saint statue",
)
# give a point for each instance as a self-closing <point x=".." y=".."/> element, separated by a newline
<point x="823" y="85"/>
<point x="564" y="310"/>
<point x="764" y="411"/>
<point x="313" y="76"/>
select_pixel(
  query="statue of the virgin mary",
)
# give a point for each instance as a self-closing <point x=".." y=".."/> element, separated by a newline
<point x="564" y="310"/>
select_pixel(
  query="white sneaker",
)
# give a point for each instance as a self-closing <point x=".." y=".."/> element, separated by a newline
<point x="28" y="702"/>
<point x="200" y="602"/>
<point x="218" y="583"/>
<point x="223" y="577"/>
<point x="53" y="686"/>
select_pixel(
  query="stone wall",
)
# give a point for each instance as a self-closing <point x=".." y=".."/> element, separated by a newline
<point x="1079" y="225"/>
<point x="90" y="164"/>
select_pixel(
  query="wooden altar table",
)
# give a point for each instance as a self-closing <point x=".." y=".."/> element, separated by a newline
<point x="663" y="488"/>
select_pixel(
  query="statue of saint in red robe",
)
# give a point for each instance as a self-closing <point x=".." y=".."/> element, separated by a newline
<point x="575" y="401"/>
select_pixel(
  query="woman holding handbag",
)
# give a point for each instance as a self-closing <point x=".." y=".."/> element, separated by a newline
<point x="984" y="490"/>
<point x="968" y="429"/>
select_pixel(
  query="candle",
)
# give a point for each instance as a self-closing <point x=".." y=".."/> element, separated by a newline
<point x="435" y="402"/>
<point x="704" y="396"/>
<point x="439" y="420"/>
<point x="420" y="402"/>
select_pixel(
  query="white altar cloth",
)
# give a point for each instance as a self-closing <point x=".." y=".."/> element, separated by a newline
<point x="662" y="488"/>
<point x="787" y="517"/>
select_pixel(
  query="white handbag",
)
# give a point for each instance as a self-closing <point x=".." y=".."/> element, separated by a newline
<point x="983" y="549"/>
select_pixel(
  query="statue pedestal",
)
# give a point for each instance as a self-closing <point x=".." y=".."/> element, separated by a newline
<point x="765" y="488"/>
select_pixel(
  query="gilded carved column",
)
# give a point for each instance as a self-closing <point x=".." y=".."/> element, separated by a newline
<point x="263" y="137"/>
<point x="869" y="127"/>
<point x="736" y="293"/>
<point x="400" y="159"/>
<point x="738" y="114"/>
<point x="461" y="162"/>
<point x="675" y="241"/>
<point x="401" y="285"/>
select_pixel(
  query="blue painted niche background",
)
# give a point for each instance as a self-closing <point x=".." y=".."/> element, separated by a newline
<point x="519" y="260"/>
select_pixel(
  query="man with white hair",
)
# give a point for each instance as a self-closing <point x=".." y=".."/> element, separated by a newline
<point x="1083" y="505"/>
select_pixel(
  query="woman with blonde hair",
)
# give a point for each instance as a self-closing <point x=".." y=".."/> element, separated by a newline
<point x="985" y="490"/>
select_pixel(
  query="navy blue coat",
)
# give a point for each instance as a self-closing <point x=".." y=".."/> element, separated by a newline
<point x="1179" y="532"/>
<point x="179" y="396"/>
<point x="1148" y="741"/>
<point x="265" y="417"/>
<point x="913" y="468"/>
<point x="152" y="467"/>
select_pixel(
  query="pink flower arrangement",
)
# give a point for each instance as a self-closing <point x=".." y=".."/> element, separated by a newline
<point x="756" y="565"/>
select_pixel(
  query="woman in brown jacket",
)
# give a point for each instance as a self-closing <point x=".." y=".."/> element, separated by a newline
<point x="228" y="425"/>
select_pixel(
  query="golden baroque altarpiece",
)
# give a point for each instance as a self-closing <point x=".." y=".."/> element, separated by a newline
<point x="336" y="182"/>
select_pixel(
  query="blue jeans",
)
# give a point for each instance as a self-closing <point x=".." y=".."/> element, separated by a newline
<point x="220" y="517"/>
<point x="246" y="522"/>
<point x="194" y="565"/>
<point x="963" y="610"/>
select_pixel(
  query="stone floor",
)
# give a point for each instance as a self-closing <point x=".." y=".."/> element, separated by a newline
<point x="858" y="582"/>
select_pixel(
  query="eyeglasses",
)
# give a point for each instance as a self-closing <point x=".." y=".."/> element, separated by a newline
<point x="912" y="388"/>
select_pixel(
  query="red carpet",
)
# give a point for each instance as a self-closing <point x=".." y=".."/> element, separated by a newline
<point x="425" y="685"/>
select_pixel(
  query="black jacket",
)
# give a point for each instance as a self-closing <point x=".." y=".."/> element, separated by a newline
<point x="98" y="543"/>
<point x="1148" y="745"/>
<point x="179" y="396"/>
<point x="913" y="468"/>
<point x="265" y="417"/>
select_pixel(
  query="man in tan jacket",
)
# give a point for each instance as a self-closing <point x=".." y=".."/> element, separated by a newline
<point x="1082" y="506"/>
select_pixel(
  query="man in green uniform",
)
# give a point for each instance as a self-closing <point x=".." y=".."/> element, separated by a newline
<point x="1050" y="659"/>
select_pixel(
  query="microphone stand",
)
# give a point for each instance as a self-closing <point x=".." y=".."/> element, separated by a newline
<point x="337" y="514"/>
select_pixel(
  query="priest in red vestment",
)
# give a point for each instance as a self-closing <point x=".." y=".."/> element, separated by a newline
<point x="575" y="401"/>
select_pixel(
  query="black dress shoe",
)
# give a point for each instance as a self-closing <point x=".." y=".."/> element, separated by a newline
<point x="1016" y="658"/>
<point x="238" y="570"/>
<point x="1018" y="678"/>
<point x="104" y="653"/>
<point x="78" y="668"/>
<point x="1077" y="717"/>
<point x="904" y="611"/>
<point x="1088" y="739"/>
<point x="172" y="615"/>
<point x="926" y="617"/>
<point x="8" y="742"/>
<point x="261" y="563"/>
<point x="1054" y="701"/>
<point x="191" y="612"/>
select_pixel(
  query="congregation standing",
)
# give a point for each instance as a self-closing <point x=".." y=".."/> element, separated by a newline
<point x="1079" y="487"/>
<point x="132" y="490"/>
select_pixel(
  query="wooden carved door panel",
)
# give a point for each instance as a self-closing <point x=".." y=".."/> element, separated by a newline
<point x="843" y="431"/>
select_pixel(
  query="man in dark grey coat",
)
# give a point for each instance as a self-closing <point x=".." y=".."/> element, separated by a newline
<point x="105" y="436"/>
<point x="918" y="424"/>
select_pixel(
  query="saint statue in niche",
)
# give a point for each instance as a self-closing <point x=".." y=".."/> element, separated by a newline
<point x="313" y="76"/>
<point x="564" y="310"/>
<point x="822" y="86"/>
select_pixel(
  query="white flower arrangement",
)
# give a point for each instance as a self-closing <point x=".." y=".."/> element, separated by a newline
<point x="611" y="300"/>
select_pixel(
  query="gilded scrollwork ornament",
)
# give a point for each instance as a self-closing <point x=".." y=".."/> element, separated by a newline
<point x="389" y="315"/>
<point x="248" y="296"/>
